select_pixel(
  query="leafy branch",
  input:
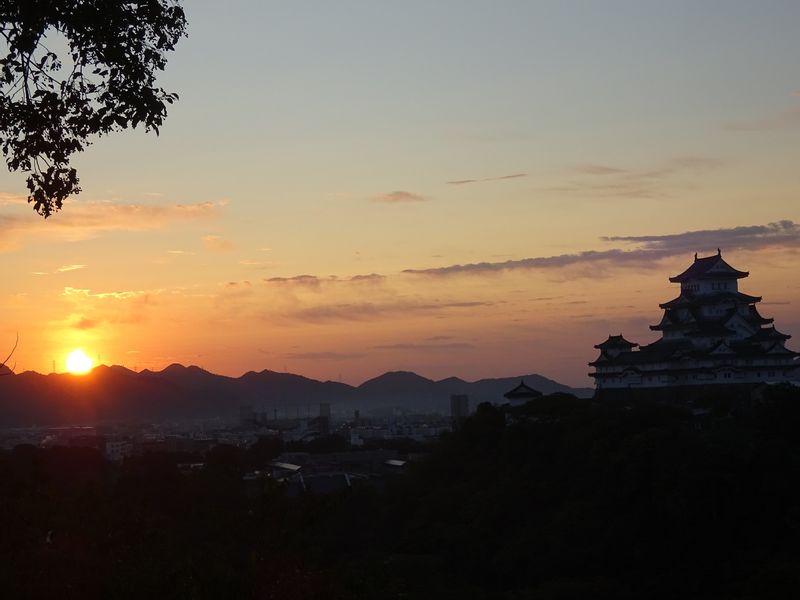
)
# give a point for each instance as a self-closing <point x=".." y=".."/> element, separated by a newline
<point x="49" y="112"/>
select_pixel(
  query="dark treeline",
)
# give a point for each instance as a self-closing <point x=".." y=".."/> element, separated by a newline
<point x="561" y="499"/>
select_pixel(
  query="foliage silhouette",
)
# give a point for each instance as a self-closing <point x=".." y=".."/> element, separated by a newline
<point x="52" y="103"/>
<point x="563" y="498"/>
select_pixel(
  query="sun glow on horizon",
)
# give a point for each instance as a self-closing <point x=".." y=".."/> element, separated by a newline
<point x="78" y="363"/>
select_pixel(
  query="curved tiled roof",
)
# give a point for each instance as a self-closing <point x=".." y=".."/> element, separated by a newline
<point x="522" y="391"/>
<point x="616" y="342"/>
<point x="686" y="299"/>
<point x="710" y="267"/>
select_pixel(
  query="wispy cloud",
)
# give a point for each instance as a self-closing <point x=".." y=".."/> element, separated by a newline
<point x="70" y="292"/>
<point x="426" y="347"/>
<point x="315" y="282"/>
<point x="305" y="281"/>
<point x="216" y="243"/>
<point x="84" y="220"/>
<point x="649" y="248"/>
<point x="612" y="181"/>
<point x="84" y="323"/>
<point x="364" y="311"/>
<point x="500" y="178"/>
<point x="399" y="197"/>
<point x="333" y="356"/>
<point x="67" y="268"/>
<point x="617" y="256"/>
<point x="750" y="237"/>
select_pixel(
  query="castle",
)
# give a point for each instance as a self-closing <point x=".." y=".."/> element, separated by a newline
<point x="710" y="334"/>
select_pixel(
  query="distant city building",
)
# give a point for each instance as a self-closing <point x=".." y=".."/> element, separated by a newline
<point x="247" y="416"/>
<point x="459" y="407"/>
<point x="522" y="394"/>
<point x="710" y="334"/>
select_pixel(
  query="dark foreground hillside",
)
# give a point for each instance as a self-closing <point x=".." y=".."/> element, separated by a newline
<point x="563" y="499"/>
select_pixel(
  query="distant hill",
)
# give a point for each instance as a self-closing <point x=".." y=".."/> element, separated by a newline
<point x="180" y="392"/>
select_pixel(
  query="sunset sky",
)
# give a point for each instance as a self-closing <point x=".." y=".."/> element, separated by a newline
<point x="466" y="188"/>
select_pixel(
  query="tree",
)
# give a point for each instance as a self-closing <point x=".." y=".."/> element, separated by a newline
<point x="52" y="103"/>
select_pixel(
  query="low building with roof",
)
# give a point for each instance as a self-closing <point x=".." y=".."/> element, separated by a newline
<point x="710" y="334"/>
<point x="522" y="394"/>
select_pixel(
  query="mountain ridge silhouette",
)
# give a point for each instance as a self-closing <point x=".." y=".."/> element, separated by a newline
<point x="115" y="393"/>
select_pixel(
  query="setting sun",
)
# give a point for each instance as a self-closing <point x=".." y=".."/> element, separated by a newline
<point x="78" y="362"/>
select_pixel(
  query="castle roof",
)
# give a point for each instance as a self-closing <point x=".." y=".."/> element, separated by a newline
<point x="693" y="319"/>
<point x="709" y="267"/>
<point x="522" y="391"/>
<point x="768" y="334"/>
<point x="687" y="299"/>
<point x="616" y="342"/>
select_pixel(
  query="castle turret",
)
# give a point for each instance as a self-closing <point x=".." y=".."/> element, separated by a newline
<point x="710" y="333"/>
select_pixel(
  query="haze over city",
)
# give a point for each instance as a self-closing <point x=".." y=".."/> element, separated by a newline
<point x="448" y="188"/>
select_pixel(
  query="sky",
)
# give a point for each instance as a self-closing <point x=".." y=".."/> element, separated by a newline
<point x="468" y="188"/>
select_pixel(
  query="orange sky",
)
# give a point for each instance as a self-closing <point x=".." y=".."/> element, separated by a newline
<point x="321" y="176"/>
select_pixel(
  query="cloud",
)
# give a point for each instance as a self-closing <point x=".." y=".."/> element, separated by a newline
<point x="609" y="181"/>
<point x="84" y="220"/>
<point x="426" y="347"/>
<point x="399" y="197"/>
<point x="84" y="323"/>
<point x="325" y="356"/>
<point x="781" y="120"/>
<point x="315" y="282"/>
<point x="750" y="237"/>
<point x="500" y="178"/>
<point x="650" y="248"/>
<point x="362" y="311"/>
<point x="256" y="263"/>
<point x="67" y="268"/>
<point x="514" y="176"/>
<point x="217" y="244"/>
<point x="305" y="281"/>
<point x="617" y="256"/>
<point x="70" y="292"/>
<point x="6" y="198"/>
<point x="598" y="170"/>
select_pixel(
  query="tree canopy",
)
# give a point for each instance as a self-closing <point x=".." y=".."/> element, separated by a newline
<point x="73" y="69"/>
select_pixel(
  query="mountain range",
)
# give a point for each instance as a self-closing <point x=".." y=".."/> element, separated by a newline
<point x="179" y="392"/>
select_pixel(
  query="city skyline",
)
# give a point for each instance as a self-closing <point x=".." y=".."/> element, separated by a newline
<point x="456" y="189"/>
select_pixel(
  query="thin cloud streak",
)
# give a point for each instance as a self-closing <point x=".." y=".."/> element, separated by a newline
<point x="652" y="248"/>
<point x="399" y="197"/>
<point x="500" y="178"/>
<point x="315" y="282"/>
<point x="333" y="356"/>
<point x="83" y="220"/>
<point x="216" y="243"/>
<point x="363" y="311"/>
<point x="609" y="181"/>
<point x="784" y="233"/>
<point x="427" y="347"/>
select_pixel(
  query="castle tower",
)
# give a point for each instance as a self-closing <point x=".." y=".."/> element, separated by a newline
<point x="711" y="333"/>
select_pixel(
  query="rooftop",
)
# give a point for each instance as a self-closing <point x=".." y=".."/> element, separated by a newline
<point x="709" y="267"/>
<point x="522" y="391"/>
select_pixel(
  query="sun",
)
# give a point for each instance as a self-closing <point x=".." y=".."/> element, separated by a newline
<point x="78" y="362"/>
